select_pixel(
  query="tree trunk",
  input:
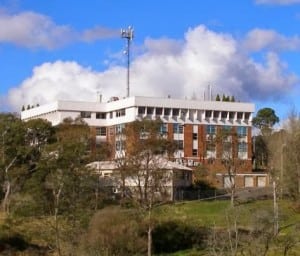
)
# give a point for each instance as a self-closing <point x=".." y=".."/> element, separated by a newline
<point x="56" y="208"/>
<point x="149" y="231"/>
<point x="5" y="202"/>
<point x="149" y="240"/>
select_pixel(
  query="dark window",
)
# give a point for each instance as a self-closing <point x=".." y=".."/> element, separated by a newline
<point x="195" y="136"/>
<point x="85" y="114"/>
<point x="100" y="115"/>
<point x="216" y="114"/>
<point x="167" y="111"/>
<point x="208" y="113"/>
<point x="195" y="152"/>
<point x="175" y="112"/>
<point x="239" y="115"/>
<point x="141" y="110"/>
<point x="120" y="112"/>
<point x="179" y="144"/>
<point x="158" y="111"/>
<point x="150" y="111"/>
<point x="247" y="115"/>
<point x="224" y="114"/>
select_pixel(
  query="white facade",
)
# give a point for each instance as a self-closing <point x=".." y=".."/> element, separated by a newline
<point x="133" y="108"/>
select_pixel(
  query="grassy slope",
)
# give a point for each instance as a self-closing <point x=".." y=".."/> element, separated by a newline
<point x="214" y="213"/>
<point x="199" y="213"/>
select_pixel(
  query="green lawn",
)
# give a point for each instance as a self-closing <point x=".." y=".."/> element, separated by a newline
<point x="217" y="214"/>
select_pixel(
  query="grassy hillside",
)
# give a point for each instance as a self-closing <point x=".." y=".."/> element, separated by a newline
<point x="177" y="222"/>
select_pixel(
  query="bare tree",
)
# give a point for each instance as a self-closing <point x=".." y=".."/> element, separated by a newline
<point x="142" y="168"/>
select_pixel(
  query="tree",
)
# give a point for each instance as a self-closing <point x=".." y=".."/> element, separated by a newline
<point x="143" y="166"/>
<point x="62" y="183"/>
<point x="291" y="157"/>
<point x="265" y="119"/>
<point x="228" y="140"/>
<point x="218" y="97"/>
<point x="12" y="150"/>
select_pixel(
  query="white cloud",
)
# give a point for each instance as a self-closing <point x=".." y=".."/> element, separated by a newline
<point x="33" y="30"/>
<point x="259" y="39"/>
<point x="180" y="69"/>
<point x="279" y="2"/>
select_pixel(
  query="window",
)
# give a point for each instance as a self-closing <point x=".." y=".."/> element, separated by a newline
<point x="175" y="112"/>
<point x="210" y="129"/>
<point x="100" y="115"/>
<point x="179" y="144"/>
<point x="195" y="152"/>
<point x="85" y="114"/>
<point x="242" y="131"/>
<point x="158" y="111"/>
<point x="231" y="115"/>
<point x="247" y="115"/>
<point x="195" y="136"/>
<point x="120" y="145"/>
<point x="216" y="114"/>
<point x="120" y="112"/>
<point x="177" y="128"/>
<point x="120" y="128"/>
<point x="163" y="129"/>
<point x="167" y="112"/>
<point x="224" y="114"/>
<point x="240" y="115"/>
<point x="100" y="131"/>
<point x="150" y="111"/>
<point x="208" y="113"/>
<point x="111" y="115"/>
<point x="141" y="110"/>
<point x="227" y="147"/>
<point x="211" y="147"/>
<point x="183" y="113"/>
<point x="242" y="147"/>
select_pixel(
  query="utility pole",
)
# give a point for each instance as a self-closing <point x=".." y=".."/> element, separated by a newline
<point x="127" y="34"/>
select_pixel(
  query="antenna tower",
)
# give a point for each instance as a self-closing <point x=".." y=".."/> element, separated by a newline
<point x="128" y="35"/>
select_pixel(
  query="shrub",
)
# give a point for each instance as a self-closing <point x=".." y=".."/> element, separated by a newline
<point x="173" y="236"/>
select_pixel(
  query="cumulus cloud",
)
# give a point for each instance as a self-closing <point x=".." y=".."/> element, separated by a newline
<point x="259" y="39"/>
<point x="279" y="2"/>
<point x="177" y="68"/>
<point x="34" y="30"/>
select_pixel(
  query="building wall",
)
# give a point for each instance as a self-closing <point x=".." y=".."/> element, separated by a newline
<point x="193" y="115"/>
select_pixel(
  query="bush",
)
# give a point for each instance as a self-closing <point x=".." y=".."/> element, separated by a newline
<point x="173" y="236"/>
<point x="114" y="231"/>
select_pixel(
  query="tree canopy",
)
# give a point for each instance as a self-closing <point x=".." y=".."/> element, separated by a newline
<point x="265" y="119"/>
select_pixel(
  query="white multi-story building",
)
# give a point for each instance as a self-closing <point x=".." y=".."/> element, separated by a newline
<point x="191" y="123"/>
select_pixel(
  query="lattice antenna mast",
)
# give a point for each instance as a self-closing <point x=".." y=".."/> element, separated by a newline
<point x="127" y="34"/>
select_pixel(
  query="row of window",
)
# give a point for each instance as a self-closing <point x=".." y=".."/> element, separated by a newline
<point x="103" y="115"/>
<point x="178" y="128"/>
<point x="176" y="112"/>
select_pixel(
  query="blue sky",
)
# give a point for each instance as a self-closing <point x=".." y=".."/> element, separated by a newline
<point x="52" y="50"/>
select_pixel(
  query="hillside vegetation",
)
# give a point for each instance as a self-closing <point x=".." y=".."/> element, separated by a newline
<point x="185" y="228"/>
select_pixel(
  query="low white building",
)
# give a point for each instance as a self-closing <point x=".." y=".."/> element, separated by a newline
<point x="173" y="177"/>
